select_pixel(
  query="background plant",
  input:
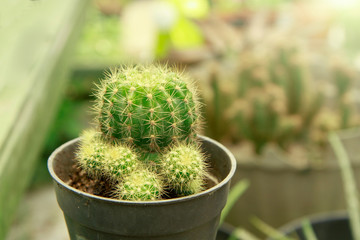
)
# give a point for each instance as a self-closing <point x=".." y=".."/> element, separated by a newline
<point x="274" y="95"/>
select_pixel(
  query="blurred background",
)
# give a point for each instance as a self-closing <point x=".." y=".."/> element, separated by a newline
<point x="276" y="77"/>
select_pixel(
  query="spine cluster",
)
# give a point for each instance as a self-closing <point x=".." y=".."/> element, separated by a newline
<point x="145" y="144"/>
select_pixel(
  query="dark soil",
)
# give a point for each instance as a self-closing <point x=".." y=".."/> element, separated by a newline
<point x="100" y="187"/>
<point x="80" y="180"/>
<point x="83" y="182"/>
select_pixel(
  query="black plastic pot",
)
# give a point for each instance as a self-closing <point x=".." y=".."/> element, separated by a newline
<point x="192" y="217"/>
<point x="334" y="226"/>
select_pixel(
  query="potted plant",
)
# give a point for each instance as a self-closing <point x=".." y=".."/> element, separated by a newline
<point x="323" y="226"/>
<point x="329" y="225"/>
<point x="144" y="172"/>
<point x="273" y="109"/>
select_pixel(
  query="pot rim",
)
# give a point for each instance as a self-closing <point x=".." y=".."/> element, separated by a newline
<point x="157" y="202"/>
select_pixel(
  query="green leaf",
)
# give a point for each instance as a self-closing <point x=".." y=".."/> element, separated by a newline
<point x="234" y="195"/>
<point x="308" y="230"/>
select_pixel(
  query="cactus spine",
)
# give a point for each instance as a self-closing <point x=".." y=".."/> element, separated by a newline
<point x="147" y="118"/>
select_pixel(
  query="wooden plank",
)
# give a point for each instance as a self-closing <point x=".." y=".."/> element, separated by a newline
<point x="35" y="38"/>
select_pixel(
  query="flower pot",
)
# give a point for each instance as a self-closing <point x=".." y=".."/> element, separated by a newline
<point x="331" y="226"/>
<point x="280" y="192"/>
<point x="191" y="217"/>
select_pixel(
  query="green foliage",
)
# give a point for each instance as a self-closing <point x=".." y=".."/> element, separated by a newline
<point x="349" y="183"/>
<point x="100" y="38"/>
<point x="147" y="118"/>
<point x="308" y="230"/>
<point x="235" y="193"/>
<point x="268" y="230"/>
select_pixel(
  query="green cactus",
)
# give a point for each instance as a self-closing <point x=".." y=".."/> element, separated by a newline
<point x="343" y="79"/>
<point x="145" y="115"/>
<point x="259" y="117"/>
<point x="100" y="158"/>
<point x="140" y="185"/>
<point x="294" y="80"/>
<point x="91" y="153"/>
<point x="150" y="107"/>
<point x="184" y="169"/>
<point x="278" y="97"/>
<point x="120" y="161"/>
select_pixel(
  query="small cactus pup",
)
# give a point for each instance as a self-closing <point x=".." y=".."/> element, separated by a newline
<point x="140" y="185"/>
<point x="184" y="169"/>
<point x="91" y="153"/>
<point x="100" y="158"/>
<point x="120" y="161"/>
<point x="147" y="106"/>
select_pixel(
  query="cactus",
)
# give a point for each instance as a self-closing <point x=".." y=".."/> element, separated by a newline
<point x="120" y="161"/>
<point x="99" y="158"/>
<point x="184" y="169"/>
<point x="261" y="117"/>
<point x="145" y="144"/>
<point x="343" y="81"/>
<point x="140" y="185"/>
<point x="150" y="107"/>
<point x="91" y="153"/>
<point x="278" y="98"/>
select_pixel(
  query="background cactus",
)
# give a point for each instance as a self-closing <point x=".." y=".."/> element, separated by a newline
<point x="273" y="94"/>
<point x="148" y="118"/>
<point x="150" y="107"/>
